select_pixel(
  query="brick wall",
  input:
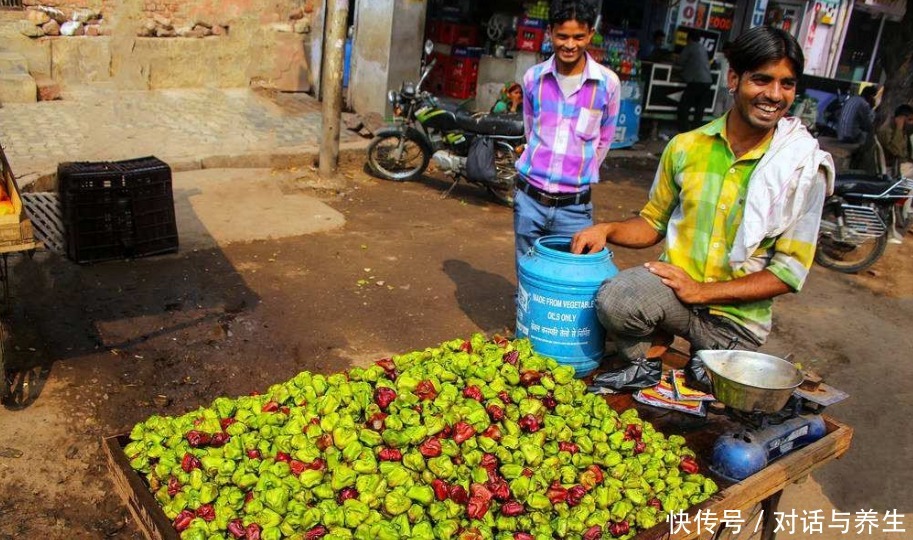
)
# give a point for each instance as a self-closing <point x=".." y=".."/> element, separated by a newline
<point x="187" y="12"/>
<point x="104" y="6"/>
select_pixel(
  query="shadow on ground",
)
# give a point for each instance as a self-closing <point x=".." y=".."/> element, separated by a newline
<point x="61" y="310"/>
<point x="482" y="296"/>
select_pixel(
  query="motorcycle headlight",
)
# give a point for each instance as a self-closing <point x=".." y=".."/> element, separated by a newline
<point x="391" y="96"/>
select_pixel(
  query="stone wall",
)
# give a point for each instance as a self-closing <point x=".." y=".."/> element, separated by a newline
<point x="151" y="44"/>
<point x="183" y="12"/>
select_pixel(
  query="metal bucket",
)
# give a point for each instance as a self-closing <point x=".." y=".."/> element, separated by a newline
<point x="750" y="381"/>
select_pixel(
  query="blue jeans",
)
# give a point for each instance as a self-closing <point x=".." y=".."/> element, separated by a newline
<point x="533" y="220"/>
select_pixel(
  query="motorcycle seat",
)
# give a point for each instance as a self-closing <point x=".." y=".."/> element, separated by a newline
<point x="862" y="183"/>
<point x="505" y="125"/>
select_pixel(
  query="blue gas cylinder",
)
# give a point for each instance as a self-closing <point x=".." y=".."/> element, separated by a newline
<point x="556" y="302"/>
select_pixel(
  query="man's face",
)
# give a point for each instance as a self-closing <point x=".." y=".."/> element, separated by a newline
<point x="762" y="97"/>
<point x="908" y="124"/>
<point x="570" y="40"/>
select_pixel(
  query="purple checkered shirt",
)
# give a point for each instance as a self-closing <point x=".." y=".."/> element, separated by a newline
<point x="567" y="138"/>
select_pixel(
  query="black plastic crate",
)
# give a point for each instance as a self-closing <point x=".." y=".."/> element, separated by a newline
<point x="116" y="210"/>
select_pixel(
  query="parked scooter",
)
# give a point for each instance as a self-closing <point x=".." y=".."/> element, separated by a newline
<point x="859" y="218"/>
<point x="425" y="130"/>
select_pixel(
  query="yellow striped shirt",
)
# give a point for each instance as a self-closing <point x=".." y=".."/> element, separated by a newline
<point x="697" y="201"/>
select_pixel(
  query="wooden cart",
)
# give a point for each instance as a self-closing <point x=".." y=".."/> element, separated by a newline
<point x="15" y="236"/>
<point x="762" y="488"/>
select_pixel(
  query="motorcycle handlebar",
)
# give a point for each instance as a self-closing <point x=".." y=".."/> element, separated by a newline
<point x="427" y="71"/>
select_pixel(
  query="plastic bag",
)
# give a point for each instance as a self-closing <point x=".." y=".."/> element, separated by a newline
<point x="480" y="163"/>
<point x="696" y="376"/>
<point x="640" y="373"/>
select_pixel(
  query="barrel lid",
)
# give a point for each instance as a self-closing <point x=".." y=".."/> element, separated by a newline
<point x="559" y="246"/>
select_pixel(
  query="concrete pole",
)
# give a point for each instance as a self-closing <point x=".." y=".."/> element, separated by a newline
<point x="331" y="85"/>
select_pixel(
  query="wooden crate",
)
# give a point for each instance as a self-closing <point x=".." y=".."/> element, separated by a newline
<point x="149" y="516"/>
<point x="15" y="228"/>
<point x="742" y="496"/>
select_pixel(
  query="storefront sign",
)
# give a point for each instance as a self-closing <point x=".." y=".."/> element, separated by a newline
<point x="664" y="92"/>
<point x="708" y="38"/>
<point x="757" y="16"/>
<point x="687" y="12"/>
<point x="720" y="18"/>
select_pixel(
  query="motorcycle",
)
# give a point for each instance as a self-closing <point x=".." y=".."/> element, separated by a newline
<point x="859" y="218"/>
<point x="425" y="130"/>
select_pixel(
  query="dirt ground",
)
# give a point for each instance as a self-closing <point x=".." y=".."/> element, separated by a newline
<point x="104" y="346"/>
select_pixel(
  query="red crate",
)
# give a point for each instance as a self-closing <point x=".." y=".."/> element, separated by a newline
<point x="463" y="69"/>
<point x="529" y="38"/>
<point x="460" y="89"/>
<point x="450" y="33"/>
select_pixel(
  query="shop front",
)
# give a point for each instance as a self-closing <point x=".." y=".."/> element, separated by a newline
<point x="481" y="46"/>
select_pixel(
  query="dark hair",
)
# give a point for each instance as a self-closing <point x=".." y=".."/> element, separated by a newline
<point x="694" y="35"/>
<point x="659" y="33"/>
<point x="761" y="45"/>
<point x="582" y="11"/>
<point x="903" y="110"/>
<point x="869" y="92"/>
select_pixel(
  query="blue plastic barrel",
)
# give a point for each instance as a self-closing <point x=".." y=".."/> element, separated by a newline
<point x="556" y="300"/>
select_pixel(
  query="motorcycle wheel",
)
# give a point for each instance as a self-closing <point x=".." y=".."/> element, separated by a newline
<point x="845" y="257"/>
<point x="397" y="157"/>
<point x="506" y="180"/>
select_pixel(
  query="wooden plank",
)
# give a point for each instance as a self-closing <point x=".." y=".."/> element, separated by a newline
<point x="764" y="484"/>
<point x="20" y="246"/>
<point x="135" y="494"/>
<point x="787" y="469"/>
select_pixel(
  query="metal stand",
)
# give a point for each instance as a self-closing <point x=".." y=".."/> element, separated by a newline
<point x="456" y="180"/>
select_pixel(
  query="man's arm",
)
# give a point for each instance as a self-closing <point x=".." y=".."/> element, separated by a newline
<point x="527" y="105"/>
<point x="635" y="232"/>
<point x="866" y="117"/>
<point x="750" y="288"/>
<point x="683" y="58"/>
<point x="609" y="118"/>
<point x="645" y="230"/>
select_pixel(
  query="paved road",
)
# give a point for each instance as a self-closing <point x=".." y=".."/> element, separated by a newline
<point x="175" y="125"/>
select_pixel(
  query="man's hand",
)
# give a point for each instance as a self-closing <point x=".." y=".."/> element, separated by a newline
<point x="590" y="240"/>
<point x="686" y="289"/>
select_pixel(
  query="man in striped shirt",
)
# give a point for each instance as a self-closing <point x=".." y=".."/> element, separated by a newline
<point x="857" y="117"/>
<point x="570" y="103"/>
<point x="698" y="289"/>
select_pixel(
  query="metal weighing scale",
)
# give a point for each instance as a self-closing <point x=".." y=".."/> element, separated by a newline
<point x="762" y="393"/>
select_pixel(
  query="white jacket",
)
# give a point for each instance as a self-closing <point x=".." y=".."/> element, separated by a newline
<point x="779" y="187"/>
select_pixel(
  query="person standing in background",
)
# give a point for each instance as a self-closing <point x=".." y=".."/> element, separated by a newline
<point x="695" y="71"/>
<point x="894" y="137"/>
<point x="856" y="126"/>
<point x="857" y="117"/>
<point x="570" y="104"/>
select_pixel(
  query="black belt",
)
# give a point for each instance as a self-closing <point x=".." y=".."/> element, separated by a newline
<point x="551" y="199"/>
